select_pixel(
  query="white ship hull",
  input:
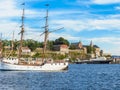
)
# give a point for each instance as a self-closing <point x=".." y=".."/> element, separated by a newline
<point x="45" y="67"/>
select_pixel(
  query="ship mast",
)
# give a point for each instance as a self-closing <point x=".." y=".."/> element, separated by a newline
<point x="46" y="33"/>
<point x="13" y="42"/>
<point x="12" y="46"/>
<point x="1" y="48"/>
<point x="22" y="32"/>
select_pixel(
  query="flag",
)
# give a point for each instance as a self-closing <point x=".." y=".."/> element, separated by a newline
<point x="23" y="4"/>
<point x="46" y="4"/>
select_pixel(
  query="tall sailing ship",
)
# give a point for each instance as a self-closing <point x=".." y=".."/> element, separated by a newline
<point x="18" y="64"/>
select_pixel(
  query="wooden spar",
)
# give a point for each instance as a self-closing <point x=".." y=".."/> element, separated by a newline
<point x="21" y="38"/>
<point x="46" y="35"/>
<point x="13" y="42"/>
<point x="12" y="46"/>
<point x="46" y="32"/>
<point x="1" y="47"/>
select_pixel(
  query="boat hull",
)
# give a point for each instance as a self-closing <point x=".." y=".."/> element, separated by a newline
<point x="94" y="62"/>
<point x="45" y="67"/>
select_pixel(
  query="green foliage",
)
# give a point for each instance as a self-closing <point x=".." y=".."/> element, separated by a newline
<point x="90" y="49"/>
<point x="75" y="55"/>
<point x="72" y="47"/>
<point x="61" y="40"/>
<point x="25" y="56"/>
<point x="56" y="56"/>
<point x="101" y="53"/>
<point x="6" y="42"/>
<point x="32" y="44"/>
<point x="50" y="45"/>
<point x="36" y="55"/>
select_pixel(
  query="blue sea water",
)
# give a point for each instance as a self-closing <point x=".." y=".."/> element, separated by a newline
<point x="77" y="77"/>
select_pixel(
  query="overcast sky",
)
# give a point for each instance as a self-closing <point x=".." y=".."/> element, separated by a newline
<point x="83" y="20"/>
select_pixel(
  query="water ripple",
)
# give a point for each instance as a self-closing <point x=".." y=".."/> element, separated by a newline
<point x="78" y="77"/>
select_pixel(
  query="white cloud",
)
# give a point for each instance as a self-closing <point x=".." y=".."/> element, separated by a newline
<point x="54" y="36"/>
<point x="108" y="24"/>
<point x="114" y="51"/>
<point x="115" y="16"/>
<point x="105" y="1"/>
<point x="7" y="26"/>
<point x="7" y="4"/>
<point x="9" y="10"/>
<point x="111" y="40"/>
<point x="90" y="24"/>
<point x="117" y="8"/>
<point x="108" y="44"/>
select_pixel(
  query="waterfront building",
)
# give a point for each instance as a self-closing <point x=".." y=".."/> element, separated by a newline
<point x="79" y="47"/>
<point x="97" y="50"/>
<point x="62" y="49"/>
<point x="116" y="59"/>
<point x="25" y="50"/>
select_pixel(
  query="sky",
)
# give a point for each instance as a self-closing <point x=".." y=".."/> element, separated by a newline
<point x="83" y="20"/>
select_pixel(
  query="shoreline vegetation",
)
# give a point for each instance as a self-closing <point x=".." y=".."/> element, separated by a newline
<point x="34" y="49"/>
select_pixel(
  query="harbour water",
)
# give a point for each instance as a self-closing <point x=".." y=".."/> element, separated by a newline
<point x="77" y="77"/>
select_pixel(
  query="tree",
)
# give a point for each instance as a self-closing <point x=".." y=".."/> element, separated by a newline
<point x="32" y="44"/>
<point x="61" y="40"/>
<point x="50" y="45"/>
<point x="72" y="47"/>
<point x="101" y="53"/>
<point x="90" y="49"/>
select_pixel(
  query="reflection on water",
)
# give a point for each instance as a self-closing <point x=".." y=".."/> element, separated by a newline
<point x="77" y="77"/>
